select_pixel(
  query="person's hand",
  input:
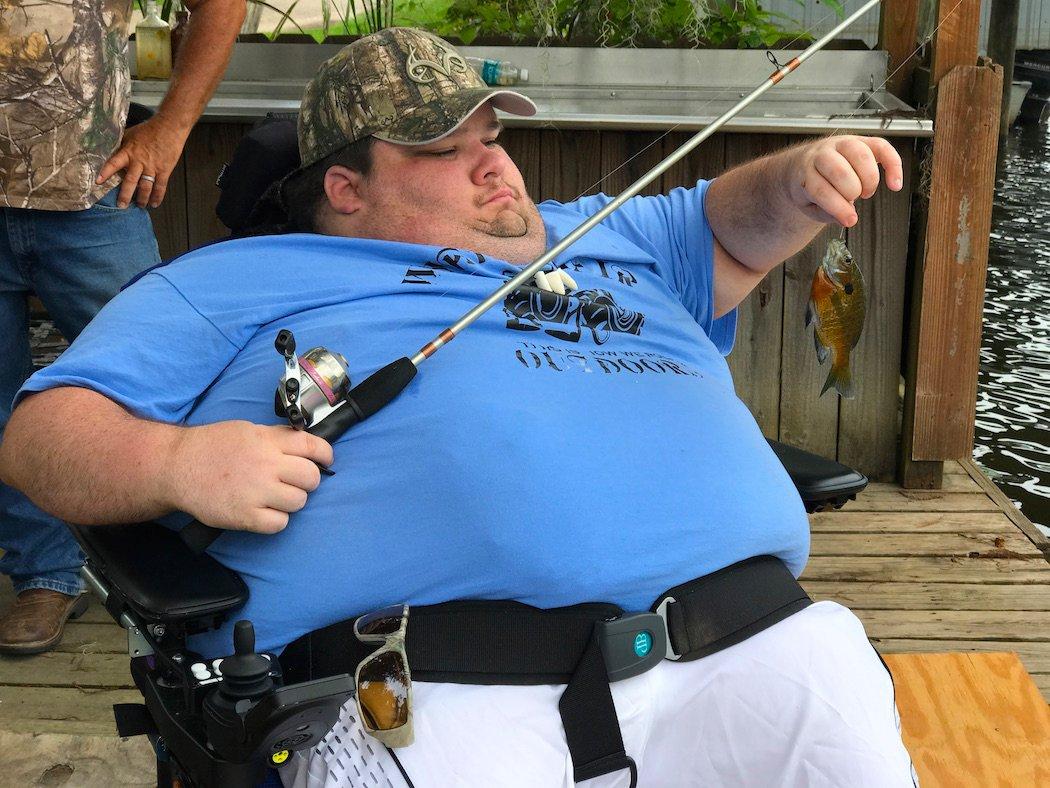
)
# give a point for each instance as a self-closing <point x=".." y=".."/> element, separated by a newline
<point x="148" y="153"/>
<point x="826" y="177"/>
<point x="244" y="476"/>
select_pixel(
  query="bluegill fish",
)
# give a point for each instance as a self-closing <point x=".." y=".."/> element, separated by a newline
<point x="837" y="303"/>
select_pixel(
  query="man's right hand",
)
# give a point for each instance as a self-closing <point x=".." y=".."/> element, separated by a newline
<point x="244" y="476"/>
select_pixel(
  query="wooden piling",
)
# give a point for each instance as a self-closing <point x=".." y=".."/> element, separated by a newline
<point x="897" y="35"/>
<point x="941" y="389"/>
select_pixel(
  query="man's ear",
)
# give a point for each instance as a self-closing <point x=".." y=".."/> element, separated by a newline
<point x="342" y="186"/>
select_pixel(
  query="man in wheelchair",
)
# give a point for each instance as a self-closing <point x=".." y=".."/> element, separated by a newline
<point x="478" y="559"/>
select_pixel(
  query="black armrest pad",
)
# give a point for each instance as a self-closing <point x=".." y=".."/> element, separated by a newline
<point x="817" y="478"/>
<point x="158" y="576"/>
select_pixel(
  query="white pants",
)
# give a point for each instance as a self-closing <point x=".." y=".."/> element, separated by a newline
<point x="806" y="702"/>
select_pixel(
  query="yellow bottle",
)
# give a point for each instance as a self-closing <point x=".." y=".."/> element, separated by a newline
<point x="153" y="45"/>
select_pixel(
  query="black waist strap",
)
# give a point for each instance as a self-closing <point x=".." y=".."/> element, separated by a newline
<point x="505" y="642"/>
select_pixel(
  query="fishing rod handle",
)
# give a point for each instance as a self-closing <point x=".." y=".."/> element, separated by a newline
<point x="366" y="399"/>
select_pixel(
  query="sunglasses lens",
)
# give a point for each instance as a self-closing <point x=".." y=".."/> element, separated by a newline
<point x="382" y="691"/>
<point x="381" y="622"/>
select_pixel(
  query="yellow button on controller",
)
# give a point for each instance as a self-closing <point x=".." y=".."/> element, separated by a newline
<point x="279" y="757"/>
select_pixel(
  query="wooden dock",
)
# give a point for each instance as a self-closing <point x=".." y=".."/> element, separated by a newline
<point x="957" y="569"/>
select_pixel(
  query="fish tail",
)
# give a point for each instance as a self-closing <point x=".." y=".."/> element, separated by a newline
<point x="840" y="377"/>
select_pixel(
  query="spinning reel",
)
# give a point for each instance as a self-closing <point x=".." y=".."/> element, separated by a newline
<point x="314" y="385"/>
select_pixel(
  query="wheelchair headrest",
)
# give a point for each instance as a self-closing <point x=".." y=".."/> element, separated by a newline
<point x="264" y="156"/>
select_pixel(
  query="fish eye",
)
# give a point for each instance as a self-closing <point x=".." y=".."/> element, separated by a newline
<point x="849" y="289"/>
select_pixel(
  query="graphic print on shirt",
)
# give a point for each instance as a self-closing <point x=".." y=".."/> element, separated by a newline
<point x="531" y="309"/>
<point x="585" y="316"/>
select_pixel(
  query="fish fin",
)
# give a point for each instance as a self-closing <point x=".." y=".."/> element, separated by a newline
<point x="841" y="378"/>
<point x="822" y="352"/>
<point x="811" y="313"/>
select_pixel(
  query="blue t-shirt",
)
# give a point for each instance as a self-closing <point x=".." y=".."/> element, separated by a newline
<point x="563" y="449"/>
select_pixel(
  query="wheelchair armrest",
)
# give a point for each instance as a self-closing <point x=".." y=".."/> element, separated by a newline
<point x="153" y="575"/>
<point x="822" y="483"/>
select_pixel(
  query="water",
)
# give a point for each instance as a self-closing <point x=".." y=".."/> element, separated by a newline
<point x="1012" y="436"/>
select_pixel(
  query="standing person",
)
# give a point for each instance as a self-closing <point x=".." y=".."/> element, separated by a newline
<point x="69" y="173"/>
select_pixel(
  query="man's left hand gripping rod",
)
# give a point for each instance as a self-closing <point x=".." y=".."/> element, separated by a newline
<point x="363" y="400"/>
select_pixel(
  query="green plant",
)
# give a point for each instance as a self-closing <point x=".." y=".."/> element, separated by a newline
<point x="740" y="23"/>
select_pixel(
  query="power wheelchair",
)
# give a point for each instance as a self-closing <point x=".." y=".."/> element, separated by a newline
<point x="224" y="722"/>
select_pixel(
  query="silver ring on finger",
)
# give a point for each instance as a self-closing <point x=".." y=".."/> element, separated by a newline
<point x="150" y="178"/>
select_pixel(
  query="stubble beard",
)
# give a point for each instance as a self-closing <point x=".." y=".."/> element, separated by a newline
<point x="516" y="235"/>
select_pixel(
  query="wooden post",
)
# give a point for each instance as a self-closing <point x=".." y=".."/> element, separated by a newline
<point x="955" y="42"/>
<point x="897" y="35"/>
<point x="1002" y="44"/>
<point x="949" y="294"/>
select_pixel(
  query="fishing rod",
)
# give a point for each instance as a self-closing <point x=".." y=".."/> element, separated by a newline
<point x="383" y="385"/>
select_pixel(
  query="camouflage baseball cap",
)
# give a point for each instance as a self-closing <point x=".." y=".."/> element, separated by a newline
<point x="401" y="85"/>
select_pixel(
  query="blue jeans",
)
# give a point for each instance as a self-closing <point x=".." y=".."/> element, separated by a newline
<point x="75" y="261"/>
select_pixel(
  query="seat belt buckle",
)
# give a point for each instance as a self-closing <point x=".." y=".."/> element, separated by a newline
<point x="661" y="612"/>
<point x="632" y="644"/>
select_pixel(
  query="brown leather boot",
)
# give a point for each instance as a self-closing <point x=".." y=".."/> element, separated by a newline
<point x="36" y="620"/>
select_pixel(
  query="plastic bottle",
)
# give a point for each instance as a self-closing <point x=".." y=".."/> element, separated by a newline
<point x="153" y="45"/>
<point x="498" y="72"/>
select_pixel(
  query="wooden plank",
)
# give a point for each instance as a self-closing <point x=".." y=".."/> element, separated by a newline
<point x="807" y="419"/>
<point x="999" y="625"/>
<point x="960" y="545"/>
<point x="59" y="669"/>
<point x="868" y="424"/>
<point x="950" y="483"/>
<point x="931" y="596"/>
<point x="922" y="501"/>
<point x="897" y="35"/>
<point x="1003" y="571"/>
<point x="956" y="262"/>
<point x="955" y="39"/>
<point x="846" y="521"/>
<point x="1017" y="517"/>
<point x="707" y="161"/>
<point x="572" y="164"/>
<point x="169" y="220"/>
<point x="103" y="638"/>
<point x="523" y="146"/>
<point x="65" y="759"/>
<point x="627" y="156"/>
<point x="756" y="358"/>
<point x="210" y="145"/>
<point x="972" y="719"/>
<point x="61" y="709"/>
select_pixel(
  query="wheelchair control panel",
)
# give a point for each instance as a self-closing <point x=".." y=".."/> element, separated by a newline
<point x="222" y="722"/>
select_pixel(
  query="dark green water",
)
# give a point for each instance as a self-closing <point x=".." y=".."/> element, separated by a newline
<point x="1012" y="441"/>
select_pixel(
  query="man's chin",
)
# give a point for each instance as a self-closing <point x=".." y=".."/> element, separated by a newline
<point x="508" y="224"/>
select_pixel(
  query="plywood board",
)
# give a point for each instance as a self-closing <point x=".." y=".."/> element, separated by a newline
<point x="972" y="720"/>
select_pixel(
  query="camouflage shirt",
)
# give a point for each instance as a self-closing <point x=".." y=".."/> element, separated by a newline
<point x="64" y="94"/>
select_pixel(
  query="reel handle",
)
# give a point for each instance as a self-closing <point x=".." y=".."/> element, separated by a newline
<point x="365" y="399"/>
